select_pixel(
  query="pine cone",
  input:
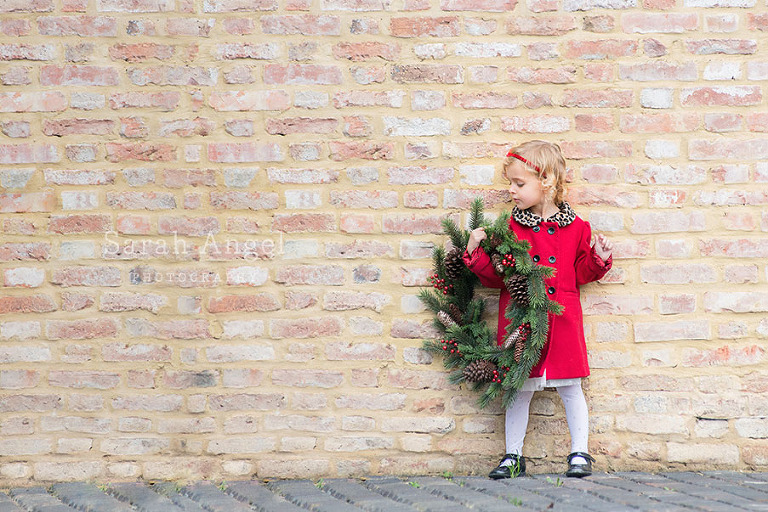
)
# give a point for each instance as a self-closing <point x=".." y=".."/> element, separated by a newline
<point x="511" y="340"/>
<point x="479" y="371"/>
<point x="495" y="240"/>
<point x="519" y="347"/>
<point x="517" y="285"/>
<point x="454" y="264"/>
<point x="518" y="339"/>
<point x="456" y="314"/>
<point x="445" y="319"/>
<point x="496" y="259"/>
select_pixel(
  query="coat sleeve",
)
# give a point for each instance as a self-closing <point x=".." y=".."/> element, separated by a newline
<point x="479" y="263"/>
<point x="589" y="266"/>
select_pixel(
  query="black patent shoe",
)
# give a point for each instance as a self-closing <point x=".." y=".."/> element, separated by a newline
<point x="515" y="467"/>
<point x="579" y="470"/>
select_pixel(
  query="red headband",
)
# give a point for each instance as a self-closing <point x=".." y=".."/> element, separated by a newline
<point x="524" y="160"/>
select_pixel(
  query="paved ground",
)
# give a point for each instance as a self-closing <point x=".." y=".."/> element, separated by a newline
<point x="614" y="492"/>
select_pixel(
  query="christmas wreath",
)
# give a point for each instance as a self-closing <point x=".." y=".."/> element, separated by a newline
<point x="468" y="344"/>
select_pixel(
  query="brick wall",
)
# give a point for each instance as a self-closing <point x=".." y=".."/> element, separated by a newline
<point x="216" y="216"/>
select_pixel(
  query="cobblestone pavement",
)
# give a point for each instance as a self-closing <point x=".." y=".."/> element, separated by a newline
<point x="614" y="492"/>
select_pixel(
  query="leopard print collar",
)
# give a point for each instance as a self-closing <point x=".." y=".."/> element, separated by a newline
<point x="565" y="216"/>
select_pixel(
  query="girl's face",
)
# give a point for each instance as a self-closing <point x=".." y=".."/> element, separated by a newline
<point x="524" y="187"/>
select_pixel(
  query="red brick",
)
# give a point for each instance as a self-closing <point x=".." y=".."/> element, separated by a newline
<point x="610" y="98"/>
<point x="357" y="52"/>
<point x="673" y="23"/>
<point x="26" y="403"/>
<point x="668" y="222"/>
<point x="367" y="150"/>
<point x="165" y="101"/>
<point x="27" y="154"/>
<point x="599" y="50"/>
<point x="76" y="301"/>
<point x="562" y="75"/>
<point x="189" y="27"/>
<point x="142" y="151"/>
<point x="593" y="123"/>
<point x="721" y="46"/>
<point x="412" y="224"/>
<point x="245" y="152"/>
<point x="247" y="303"/>
<point x="225" y="101"/>
<point x="239" y="26"/>
<point x="536" y="124"/>
<point x="659" y="71"/>
<point x="84" y="379"/>
<point x="358" y="249"/>
<point x="86" y="276"/>
<point x="233" y="51"/>
<point x="421" y="199"/>
<point x="30" y="251"/>
<point x="325" y="275"/>
<point x="728" y="150"/>
<point x="303" y="24"/>
<point x="757" y="122"/>
<point x="136" y="5"/>
<point x="81" y="329"/>
<point x="27" y="202"/>
<point x="173" y="75"/>
<point x="428" y="73"/>
<point x="244" y="200"/>
<point x="139" y="52"/>
<point x="478" y="5"/>
<point x="366" y="75"/>
<point x="551" y="25"/>
<point x="302" y="74"/>
<point x="198" y="126"/>
<point x="27" y="304"/>
<point x="660" y="123"/>
<point x="83" y="26"/>
<point x="391" y="99"/>
<point x="165" y="330"/>
<point x="79" y="224"/>
<point x="757" y="22"/>
<point x="738" y="96"/>
<point x="304" y="222"/>
<point x="446" y="26"/>
<point x="723" y="356"/>
<point x="26" y="52"/>
<point x="239" y="5"/>
<point x="76" y="126"/>
<point x="364" y="199"/>
<point x="667" y="198"/>
<point x="180" y="178"/>
<point x="79" y="75"/>
<point x="307" y="378"/>
<point x="141" y="200"/>
<point x="287" y="126"/>
<point x="306" y="328"/>
<point x="14" y="27"/>
<point x="596" y="149"/>
<point x="484" y="100"/>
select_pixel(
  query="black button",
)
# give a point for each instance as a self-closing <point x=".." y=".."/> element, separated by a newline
<point x="536" y="229"/>
<point x="551" y="290"/>
<point x="551" y="231"/>
<point x="536" y="259"/>
<point x="552" y="259"/>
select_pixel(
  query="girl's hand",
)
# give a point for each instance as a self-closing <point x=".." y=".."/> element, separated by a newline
<point x="603" y="247"/>
<point x="475" y="237"/>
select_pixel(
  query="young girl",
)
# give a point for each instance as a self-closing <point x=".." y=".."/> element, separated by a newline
<point x="559" y="239"/>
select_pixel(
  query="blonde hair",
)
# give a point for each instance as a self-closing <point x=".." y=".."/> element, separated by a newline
<point x="548" y="157"/>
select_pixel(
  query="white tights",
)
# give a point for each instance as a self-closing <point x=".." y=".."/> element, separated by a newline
<point x="576" y="413"/>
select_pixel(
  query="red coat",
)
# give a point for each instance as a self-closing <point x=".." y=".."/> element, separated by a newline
<point x="568" y="250"/>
